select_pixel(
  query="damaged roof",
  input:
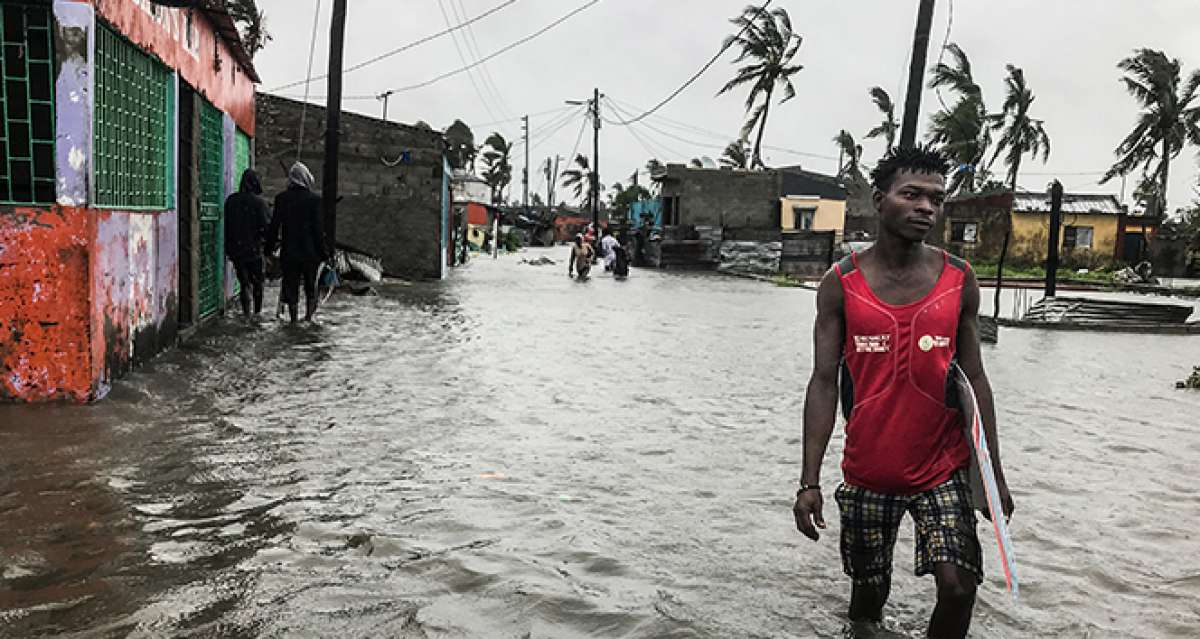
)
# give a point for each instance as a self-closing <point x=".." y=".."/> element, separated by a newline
<point x="218" y="13"/>
<point x="1077" y="203"/>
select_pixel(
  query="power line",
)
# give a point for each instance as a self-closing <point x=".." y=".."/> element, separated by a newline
<point x="665" y="121"/>
<point x="406" y="47"/>
<point x="543" y="138"/>
<point x="532" y="115"/>
<point x="501" y="51"/>
<point x="473" y="49"/>
<point x="482" y="98"/>
<point x="312" y="49"/>
<point x="724" y="47"/>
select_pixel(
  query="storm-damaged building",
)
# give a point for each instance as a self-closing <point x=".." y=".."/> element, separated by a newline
<point x="126" y="124"/>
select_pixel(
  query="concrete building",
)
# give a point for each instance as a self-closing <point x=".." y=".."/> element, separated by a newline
<point x="393" y="180"/>
<point x="125" y="125"/>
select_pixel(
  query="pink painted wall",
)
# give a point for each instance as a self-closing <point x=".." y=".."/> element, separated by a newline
<point x="166" y="35"/>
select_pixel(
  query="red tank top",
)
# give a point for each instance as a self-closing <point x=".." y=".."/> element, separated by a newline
<point x="901" y="437"/>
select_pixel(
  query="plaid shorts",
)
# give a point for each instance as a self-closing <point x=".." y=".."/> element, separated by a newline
<point x="945" y="530"/>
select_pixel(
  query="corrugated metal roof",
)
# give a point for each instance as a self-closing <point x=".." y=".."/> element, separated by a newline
<point x="1096" y="204"/>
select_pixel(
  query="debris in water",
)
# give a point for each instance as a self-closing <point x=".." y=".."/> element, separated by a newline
<point x="1191" y="382"/>
<point x="541" y="261"/>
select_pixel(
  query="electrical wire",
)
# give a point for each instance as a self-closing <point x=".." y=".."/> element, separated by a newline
<point x="473" y="49"/>
<point x="404" y="48"/>
<point x="500" y="51"/>
<point x="724" y="47"/>
<point x="312" y="49"/>
<point x="484" y="100"/>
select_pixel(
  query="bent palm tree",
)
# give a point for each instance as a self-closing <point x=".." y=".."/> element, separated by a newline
<point x="1169" y="120"/>
<point x="961" y="130"/>
<point x="579" y="179"/>
<point x="1019" y="132"/>
<point x="769" y="45"/>
<point x="850" y="153"/>
<point x="736" y="155"/>
<point x="497" y="170"/>
<point x="889" y="127"/>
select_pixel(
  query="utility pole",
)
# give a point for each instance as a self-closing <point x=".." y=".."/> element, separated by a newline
<point x="916" y="74"/>
<point x="596" y="162"/>
<point x="554" y="180"/>
<point x="525" y="176"/>
<point x="1056" y="198"/>
<point x="333" y="121"/>
<point x="384" y="96"/>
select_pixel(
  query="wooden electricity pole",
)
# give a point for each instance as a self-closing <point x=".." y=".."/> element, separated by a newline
<point x="333" y="122"/>
<point x="916" y="74"/>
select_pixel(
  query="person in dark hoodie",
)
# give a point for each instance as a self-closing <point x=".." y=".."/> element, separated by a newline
<point x="246" y="221"/>
<point x="303" y="248"/>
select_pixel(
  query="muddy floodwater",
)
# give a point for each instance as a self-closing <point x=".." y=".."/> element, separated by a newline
<point x="510" y="453"/>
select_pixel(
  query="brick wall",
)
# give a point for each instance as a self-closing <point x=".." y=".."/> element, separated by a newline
<point x="393" y="212"/>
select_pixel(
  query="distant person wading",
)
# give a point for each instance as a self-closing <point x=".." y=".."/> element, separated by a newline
<point x="303" y="248"/>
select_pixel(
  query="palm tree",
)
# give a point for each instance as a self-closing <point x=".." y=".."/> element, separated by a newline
<point x="654" y="167"/>
<point x="889" y="127"/>
<point x="497" y="170"/>
<point x="736" y="155"/>
<point x="849" y="155"/>
<point x="961" y="130"/>
<point x="247" y="15"/>
<point x="769" y="45"/>
<point x="1170" y="117"/>
<point x="461" y="143"/>
<point x="1019" y="132"/>
<point x="579" y="179"/>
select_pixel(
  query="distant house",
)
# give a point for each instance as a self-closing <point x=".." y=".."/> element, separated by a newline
<point x="776" y="200"/>
<point x="1095" y="228"/>
<point x="812" y="202"/>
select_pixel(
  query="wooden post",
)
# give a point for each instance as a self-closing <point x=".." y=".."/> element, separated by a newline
<point x="916" y="74"/>
<point x="1056" y="197"/>
<point x="333" y="122"/>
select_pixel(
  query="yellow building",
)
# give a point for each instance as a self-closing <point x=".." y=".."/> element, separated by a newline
<point x="812" y="213"/>
<point x="811" y="202"/>
<point x="1091" y="227"/>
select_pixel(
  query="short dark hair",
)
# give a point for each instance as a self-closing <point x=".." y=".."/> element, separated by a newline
<point x="918" y="159"/>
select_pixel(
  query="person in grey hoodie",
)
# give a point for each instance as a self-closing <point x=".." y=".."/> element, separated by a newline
<point x="246" y="221"/>
<point x="302" y="249"/>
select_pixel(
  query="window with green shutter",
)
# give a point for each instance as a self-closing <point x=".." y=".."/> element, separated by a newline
<point x="132" y="127"/>
<point x="26" y="105"/>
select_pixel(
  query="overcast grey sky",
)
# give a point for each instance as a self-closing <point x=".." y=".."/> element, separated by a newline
<point x="638" y="51"/>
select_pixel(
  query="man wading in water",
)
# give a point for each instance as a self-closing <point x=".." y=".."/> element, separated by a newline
<point x="896" y="316"/>
<point x="582" y="254"/>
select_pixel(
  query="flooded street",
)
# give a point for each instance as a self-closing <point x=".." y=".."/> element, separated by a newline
<point x="510" y="453"/>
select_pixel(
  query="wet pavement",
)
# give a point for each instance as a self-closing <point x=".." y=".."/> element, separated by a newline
<point x="510" y="453"/>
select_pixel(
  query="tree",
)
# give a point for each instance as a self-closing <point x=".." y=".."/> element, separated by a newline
<point x="1019" y="132"/>
<point x="961" y="130"/>
<point x="251" y="22"/>
<point x="579" y="179"/>
<point x="536" y="201"/>
<point x="695" y="163"/>
<point x="736" y="155"/>
<point x="769" y="46"/>
<point x="623" y="197"/>
<point x="1169" y="120"/>
<point x="655" y="167"/>
<point x="461" y="141"/>
<point x="850" y="154"/>
<point x="497" y="170"/>
<point x="889" y="127"/>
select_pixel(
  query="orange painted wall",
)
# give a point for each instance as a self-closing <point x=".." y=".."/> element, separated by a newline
<point x="229" y="89"/>
<point x="45" y="304"/>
